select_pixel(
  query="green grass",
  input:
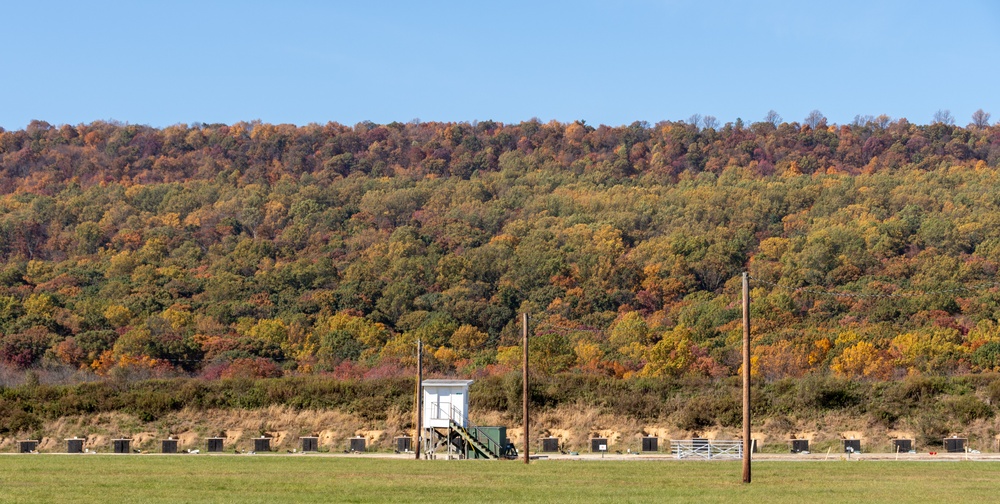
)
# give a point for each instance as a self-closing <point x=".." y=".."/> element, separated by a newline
<point x="263" y="478"/>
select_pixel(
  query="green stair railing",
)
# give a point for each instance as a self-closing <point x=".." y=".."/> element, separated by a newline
<point x="479" y="439"/>
<point x="471" y="440"/>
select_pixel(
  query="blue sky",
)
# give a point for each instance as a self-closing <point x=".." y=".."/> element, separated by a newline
<point x="163" y="63"/>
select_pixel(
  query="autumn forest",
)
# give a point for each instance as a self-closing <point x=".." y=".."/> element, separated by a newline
<point x="260" y="250"/>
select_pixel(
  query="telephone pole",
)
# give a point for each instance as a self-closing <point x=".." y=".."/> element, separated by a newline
<point x="747" y="444"/>
<point x="524" y="381"/>
<point x="420" y="396"/>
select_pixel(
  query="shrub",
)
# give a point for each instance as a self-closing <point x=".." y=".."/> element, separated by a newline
<point x="14" y="419"/>
<point x="701" y="412"/>
<point x="254" y="367"/>
<point x="780" y="423"/>
<point x="827" y="393"/>
<point x="993" y="391"/>
<point x="25" y="348"/>
<point x="966" y="408"/>
<point x="489" y="394"/>
<point x="931" y="429"/>
<point x="696" y="415"/>
<point x="149" y="406"/>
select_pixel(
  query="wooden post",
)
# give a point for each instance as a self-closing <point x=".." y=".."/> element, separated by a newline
<point x="524" y="380"/>
<point x="746" y="378"/>
<point x="420" y="397"/>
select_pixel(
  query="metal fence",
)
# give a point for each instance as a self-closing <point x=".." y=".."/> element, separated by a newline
<point x="707" y="449"/>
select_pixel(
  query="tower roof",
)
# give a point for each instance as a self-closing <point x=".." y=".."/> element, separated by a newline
<point x="447" y="383"/>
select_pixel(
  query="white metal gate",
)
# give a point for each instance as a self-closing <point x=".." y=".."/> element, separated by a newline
<point x="707" y="449"/>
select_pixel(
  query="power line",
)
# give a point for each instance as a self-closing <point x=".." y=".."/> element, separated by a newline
<point x="542" y="325"/>
<point x="905" y="294"/>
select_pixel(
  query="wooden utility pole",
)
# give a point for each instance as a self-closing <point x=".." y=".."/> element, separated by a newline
<point x="747" y="443"/>
<point x="524" y="380"/>
<point x="420" y="396"/>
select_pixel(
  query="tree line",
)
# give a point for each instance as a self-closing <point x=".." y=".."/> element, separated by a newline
<point x="260" y="250"/>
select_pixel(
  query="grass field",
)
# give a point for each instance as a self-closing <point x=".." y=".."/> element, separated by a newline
<point x="271" y="478"/>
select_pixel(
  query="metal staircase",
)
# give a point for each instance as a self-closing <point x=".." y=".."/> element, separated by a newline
<point x="478" y="441"/>
<point x="488" y="450"/>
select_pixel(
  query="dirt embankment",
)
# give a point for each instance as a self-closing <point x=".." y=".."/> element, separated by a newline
<point x="285" y="427"/>
<point x="572" y="426"/>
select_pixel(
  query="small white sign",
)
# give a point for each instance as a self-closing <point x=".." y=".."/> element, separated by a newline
<point x="602" y="447"/>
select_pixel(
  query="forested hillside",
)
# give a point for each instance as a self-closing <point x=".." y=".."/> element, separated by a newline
<point x="264" y="250"/>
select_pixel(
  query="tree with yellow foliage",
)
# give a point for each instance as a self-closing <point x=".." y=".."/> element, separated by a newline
<point x="862" y="360"/>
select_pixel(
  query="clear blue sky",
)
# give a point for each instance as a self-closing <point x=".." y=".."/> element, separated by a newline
<point x="606" y="62"/>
